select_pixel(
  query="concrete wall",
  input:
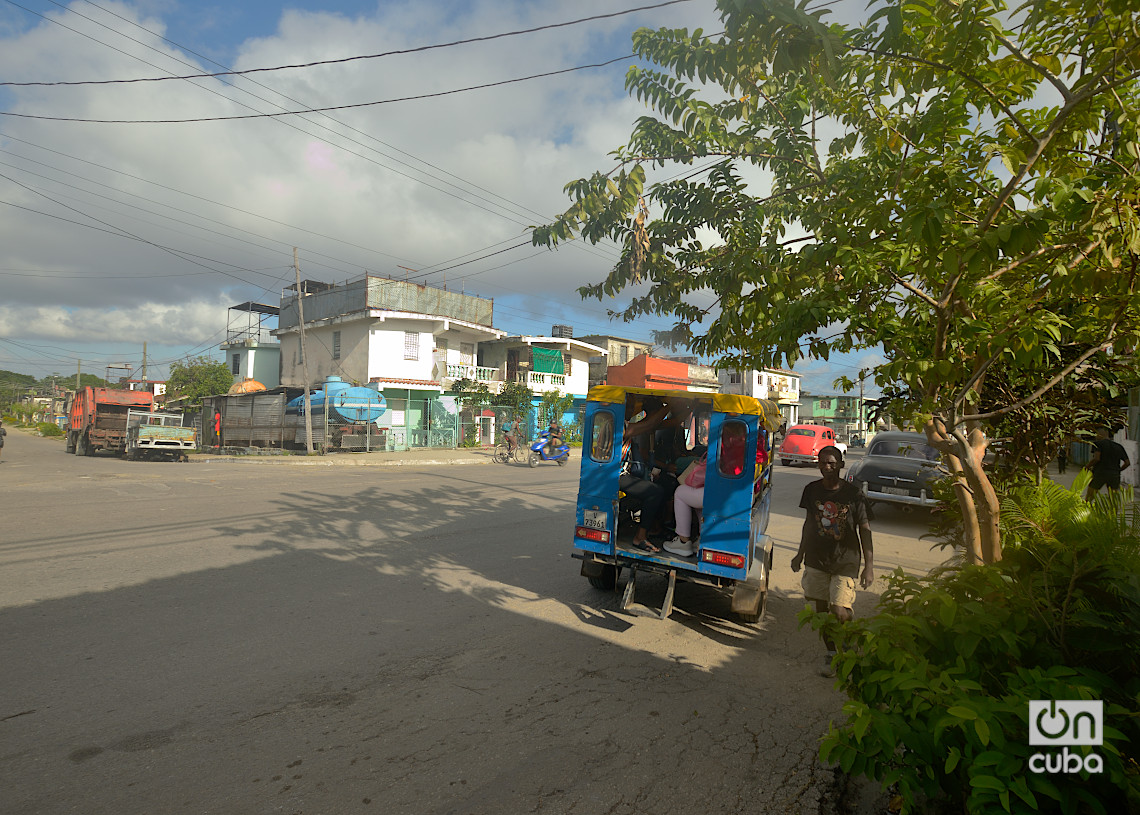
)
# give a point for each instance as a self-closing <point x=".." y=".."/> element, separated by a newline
<point x="386" y="351"/>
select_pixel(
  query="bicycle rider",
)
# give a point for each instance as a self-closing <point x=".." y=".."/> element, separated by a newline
<point x="512" y="435"/>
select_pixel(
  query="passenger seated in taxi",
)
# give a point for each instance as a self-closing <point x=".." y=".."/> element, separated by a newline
<point x="633" y="480"/>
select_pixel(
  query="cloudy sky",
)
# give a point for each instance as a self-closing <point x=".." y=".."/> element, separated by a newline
<point x="116" y="234"/>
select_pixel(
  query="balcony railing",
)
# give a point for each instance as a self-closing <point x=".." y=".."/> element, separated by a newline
<point x="531" y="378"/>
<point x="473" y="372"/>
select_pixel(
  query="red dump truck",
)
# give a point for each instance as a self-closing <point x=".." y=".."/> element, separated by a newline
<point x="98" y="419"/>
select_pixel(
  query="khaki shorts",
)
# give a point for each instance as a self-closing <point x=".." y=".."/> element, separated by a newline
<point x="835" y="589"/>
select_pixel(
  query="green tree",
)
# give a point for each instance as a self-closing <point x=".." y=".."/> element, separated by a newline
<point x="516" y="397"/>
<point x="470" y="394"/>
<point x="193" y="379"/>
<point x="555" y="404"/>
<point x="951" y="182"/>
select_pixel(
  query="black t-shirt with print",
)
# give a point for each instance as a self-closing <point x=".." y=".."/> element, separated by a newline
<point x="833" y="518"/>
<point x="1112" y="455"/>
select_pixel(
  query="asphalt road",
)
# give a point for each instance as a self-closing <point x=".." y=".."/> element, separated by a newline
<point x="240" y="638"/>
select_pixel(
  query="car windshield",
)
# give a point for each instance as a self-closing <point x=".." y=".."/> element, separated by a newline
<point x="801" y="431"/>
<point x="904" y="448"/>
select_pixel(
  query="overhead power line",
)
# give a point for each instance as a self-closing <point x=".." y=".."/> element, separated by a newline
<point x="398" y="52"/>
<point x="435" y="95"/>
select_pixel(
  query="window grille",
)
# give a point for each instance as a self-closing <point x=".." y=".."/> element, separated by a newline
<point x="411" y="345"/>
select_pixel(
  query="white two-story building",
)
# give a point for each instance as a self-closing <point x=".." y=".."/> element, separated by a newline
<point x="782" y="387"/>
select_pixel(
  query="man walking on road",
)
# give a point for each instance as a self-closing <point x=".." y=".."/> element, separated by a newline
<point x="3" y="433"/>
<point x="1108" y="461"/>
<point x="836" y="531"/>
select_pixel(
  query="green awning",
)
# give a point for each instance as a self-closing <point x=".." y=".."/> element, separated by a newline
<point x="547" y="361"/>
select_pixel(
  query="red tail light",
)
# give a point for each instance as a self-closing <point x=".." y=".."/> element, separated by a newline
<point x="598" y="535"/>
<point x="722" y="559"/>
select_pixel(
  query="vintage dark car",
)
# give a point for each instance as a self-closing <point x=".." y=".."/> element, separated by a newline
<point x="898" y="468"/>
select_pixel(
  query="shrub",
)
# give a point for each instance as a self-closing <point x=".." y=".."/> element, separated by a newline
<point x="49" y="429"/>
<point x="940" y="679"/>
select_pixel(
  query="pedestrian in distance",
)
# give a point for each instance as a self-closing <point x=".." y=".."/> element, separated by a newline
<point x="1062" y="459"/>
<point x="218" y="426"/>
<point x="3" y="433"/>
<point x="1108" y="461"/>
<point x="836" y="532"/>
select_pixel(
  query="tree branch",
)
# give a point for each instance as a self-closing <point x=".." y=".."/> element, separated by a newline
<point x="917" y="292"/>
<point x="1068" y="369"/>
<point x="1026" y="258"/>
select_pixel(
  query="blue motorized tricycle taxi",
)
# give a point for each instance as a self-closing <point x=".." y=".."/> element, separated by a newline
<point x="637" y="447"/>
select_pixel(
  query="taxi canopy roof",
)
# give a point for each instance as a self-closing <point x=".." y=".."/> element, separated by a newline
<point x="766" y="409"/>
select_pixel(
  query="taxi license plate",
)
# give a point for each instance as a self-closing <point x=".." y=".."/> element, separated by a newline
<point x="594" y="518"/>
<point x="893" y="490"/>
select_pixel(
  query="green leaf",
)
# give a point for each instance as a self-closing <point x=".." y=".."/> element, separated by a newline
<point x="952" y="760"/>
<point x="960" y="712"/>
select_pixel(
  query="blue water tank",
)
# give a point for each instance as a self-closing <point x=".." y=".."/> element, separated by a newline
<point x="346" y="402"/>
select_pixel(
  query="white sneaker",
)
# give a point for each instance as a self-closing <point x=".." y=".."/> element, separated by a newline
<point x="680" y="547"/>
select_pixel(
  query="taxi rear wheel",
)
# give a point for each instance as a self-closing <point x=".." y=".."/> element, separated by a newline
<point x="606" y="581"/>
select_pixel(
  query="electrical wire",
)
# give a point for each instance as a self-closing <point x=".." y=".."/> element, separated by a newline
<point x="357" y="105"/>
<point x="344" y="59"/>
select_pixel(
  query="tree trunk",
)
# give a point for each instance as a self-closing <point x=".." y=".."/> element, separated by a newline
<point x="976" y="495"/>
<point x="971" y="532"/>
<point x="984" y="497"/>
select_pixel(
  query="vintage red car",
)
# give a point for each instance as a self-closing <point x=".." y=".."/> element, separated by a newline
<point x="804" y="441"/>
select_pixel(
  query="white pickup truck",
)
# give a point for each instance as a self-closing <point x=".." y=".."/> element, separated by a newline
<point x="158" y="435"/>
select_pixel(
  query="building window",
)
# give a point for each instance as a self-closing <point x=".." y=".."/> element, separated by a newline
<point x="566" y="358"/>
<point x="824" y="404"/>
<point x="336" y="345"/>
<point x="411" y="345"/>
<point x="466" y="353"/>
<point x="623" y="355"/>
<point x="734" y="377"/>
<point x="441" y="344"/>
<point x="237" y="364"/>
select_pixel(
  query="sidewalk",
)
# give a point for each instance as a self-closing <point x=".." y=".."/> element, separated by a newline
<point x="418" y="457"/>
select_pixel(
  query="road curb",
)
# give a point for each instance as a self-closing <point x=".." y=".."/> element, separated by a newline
<point x="322" y="461"/>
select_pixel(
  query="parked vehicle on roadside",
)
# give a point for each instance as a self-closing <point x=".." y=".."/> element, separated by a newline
<point x="804" y="441"/>
<point x="97" y="419"/>
<point x="732" y="552"/>
<point x="540" y="450"/>
<point x="158" y="435"/>
<point x="898" y="468"/>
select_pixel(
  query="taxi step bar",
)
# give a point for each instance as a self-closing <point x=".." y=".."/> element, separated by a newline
<point x="630" y="587"/>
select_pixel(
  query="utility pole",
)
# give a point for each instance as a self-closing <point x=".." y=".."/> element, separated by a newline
<point x="78" y="369"/>
<point x="304" y="360"/>
<point x="144" y="366"/>
<point x="862" y="407"/>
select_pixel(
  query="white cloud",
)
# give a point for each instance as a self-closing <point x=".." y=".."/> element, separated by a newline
<point x="228" y="200"/>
